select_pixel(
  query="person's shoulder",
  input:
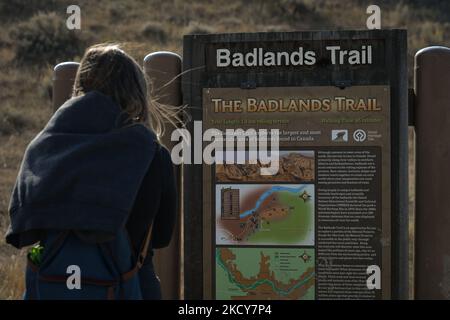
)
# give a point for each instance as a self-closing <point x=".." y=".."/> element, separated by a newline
<point x="143" y="133"/>
<point x="166" y="165"/>
<point x="164" y="154"/>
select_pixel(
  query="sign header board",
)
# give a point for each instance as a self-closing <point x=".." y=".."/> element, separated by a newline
<point x="293" y="54"/>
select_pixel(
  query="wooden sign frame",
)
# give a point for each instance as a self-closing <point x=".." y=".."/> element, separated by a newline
<point x="387" y="68"/>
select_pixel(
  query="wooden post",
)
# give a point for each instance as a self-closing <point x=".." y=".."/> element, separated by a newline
<point x="163" y="70"/>
<point x="432" y="96"/>
<point x="63" y="78"/>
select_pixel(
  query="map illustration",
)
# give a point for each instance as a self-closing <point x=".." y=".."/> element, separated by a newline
<point x="269" y="274"/>
<point x="265" y="214"/>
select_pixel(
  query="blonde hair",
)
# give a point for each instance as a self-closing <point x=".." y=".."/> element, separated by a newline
<point x="108" y="69"/>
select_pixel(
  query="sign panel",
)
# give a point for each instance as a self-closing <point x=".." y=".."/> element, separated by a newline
<point x="314" y="228"/>
<point x="331" y="221"/>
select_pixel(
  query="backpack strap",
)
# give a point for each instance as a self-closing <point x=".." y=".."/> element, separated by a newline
<point x="144" y="247"/>
<point x="141" y="255"/>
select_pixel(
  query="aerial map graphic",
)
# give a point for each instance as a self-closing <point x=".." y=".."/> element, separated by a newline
<point x="294" y="167"/>
<point x="269" y="274"/>
<point x="265" y="214"/>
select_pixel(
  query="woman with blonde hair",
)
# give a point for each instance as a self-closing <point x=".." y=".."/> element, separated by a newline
<point x="96" y="189"/>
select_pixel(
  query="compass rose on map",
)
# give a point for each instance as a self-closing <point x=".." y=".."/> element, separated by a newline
<point x="305" y="196"/>
<point x="305" y="257"/>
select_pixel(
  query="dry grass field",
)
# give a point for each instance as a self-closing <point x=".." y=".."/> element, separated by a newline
<point x="33" y="38"/>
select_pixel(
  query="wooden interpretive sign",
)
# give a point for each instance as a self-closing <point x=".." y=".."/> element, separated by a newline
<point x="307" y="196"/>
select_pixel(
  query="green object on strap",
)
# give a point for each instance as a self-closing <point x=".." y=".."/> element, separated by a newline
<point x="35" y="254"/>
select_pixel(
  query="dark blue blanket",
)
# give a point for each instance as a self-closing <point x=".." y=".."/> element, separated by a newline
<point x="82" y="172"/>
